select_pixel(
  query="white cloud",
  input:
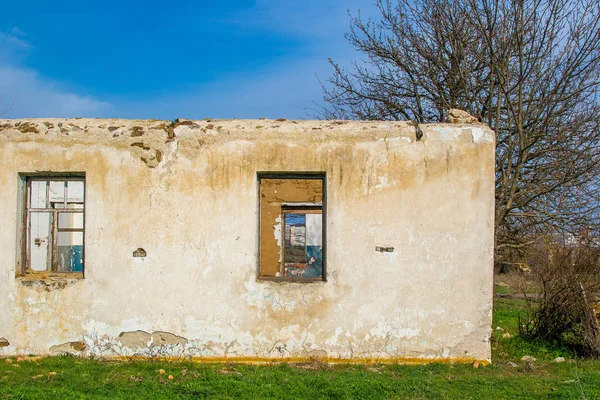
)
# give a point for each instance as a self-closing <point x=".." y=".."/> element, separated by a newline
<point x="23" y="93"/>
<point x="26" y="93"/>
<point x="287" y="88"/>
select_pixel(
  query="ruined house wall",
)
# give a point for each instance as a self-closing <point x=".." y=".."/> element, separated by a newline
<point x="187" y="194"/>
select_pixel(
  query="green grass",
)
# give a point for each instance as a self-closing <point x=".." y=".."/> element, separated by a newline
<point x="499" y="289"/>
<point x="506" y="317"/>
<point x="79" y="378"/>
<point x="83" y="378"/>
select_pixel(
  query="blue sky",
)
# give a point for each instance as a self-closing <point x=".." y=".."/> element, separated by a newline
<point x="166" y="60"/>
<point x="295" y="219"/>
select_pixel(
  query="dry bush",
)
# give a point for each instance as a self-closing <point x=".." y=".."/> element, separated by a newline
<point x="569" y="281"/>
<point x="518" y="281"/>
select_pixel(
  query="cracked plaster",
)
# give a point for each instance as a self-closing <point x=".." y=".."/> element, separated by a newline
<point x="186" y="193"/>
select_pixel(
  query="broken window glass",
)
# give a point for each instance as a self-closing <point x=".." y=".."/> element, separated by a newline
<point x="55" y="224"/>
<point x="57" y="191"/>
<point x="70" y="252"/>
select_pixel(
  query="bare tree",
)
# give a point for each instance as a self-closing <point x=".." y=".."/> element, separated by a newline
<point x="528" y="68"/>
<point x="4" y="111"/>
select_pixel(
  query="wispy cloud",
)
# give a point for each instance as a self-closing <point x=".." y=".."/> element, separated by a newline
<point x="26" y="93"/>
<point x="17" y="32"/>
<point x="288" y="87"/>
<point x="307" y="18"/>
<point x="13" y="46"/>
<point x="286" y="90"/>
<point x="285" y="86"/>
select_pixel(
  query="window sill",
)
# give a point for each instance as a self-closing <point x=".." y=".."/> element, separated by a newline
<point x="50" y="277"/>
<point x="287" y="279"/>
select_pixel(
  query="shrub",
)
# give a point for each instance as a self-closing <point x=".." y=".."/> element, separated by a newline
<point x="569" y="281"/>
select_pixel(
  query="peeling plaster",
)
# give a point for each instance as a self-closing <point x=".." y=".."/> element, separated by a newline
<point x="186" y="193"/>
<point x="70" y="347"/>
<point x="479" y="135"/>
<point x="277" y="234"/>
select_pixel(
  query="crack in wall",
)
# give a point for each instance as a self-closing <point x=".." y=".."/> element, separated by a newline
<point x="209" y="168"/>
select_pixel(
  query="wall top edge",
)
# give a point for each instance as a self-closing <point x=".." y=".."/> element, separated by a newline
<point x="90" y="130"/>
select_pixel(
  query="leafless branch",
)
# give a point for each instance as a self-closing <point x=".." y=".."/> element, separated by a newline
<point x="528" y="68"/>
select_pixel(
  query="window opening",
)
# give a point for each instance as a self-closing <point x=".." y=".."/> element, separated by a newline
<point x="292" y="227"/>
<point x="55" y="213"/>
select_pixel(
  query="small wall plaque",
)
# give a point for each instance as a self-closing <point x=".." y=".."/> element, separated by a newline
<point x="382" y="249"/>
<point x="139" y="252"/>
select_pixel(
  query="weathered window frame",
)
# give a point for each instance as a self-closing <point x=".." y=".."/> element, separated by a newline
<point x="308" y="207"/>
<point x="24" y="263"/>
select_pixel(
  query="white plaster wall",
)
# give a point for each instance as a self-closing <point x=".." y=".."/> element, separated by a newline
<point x="193" y="208"/>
